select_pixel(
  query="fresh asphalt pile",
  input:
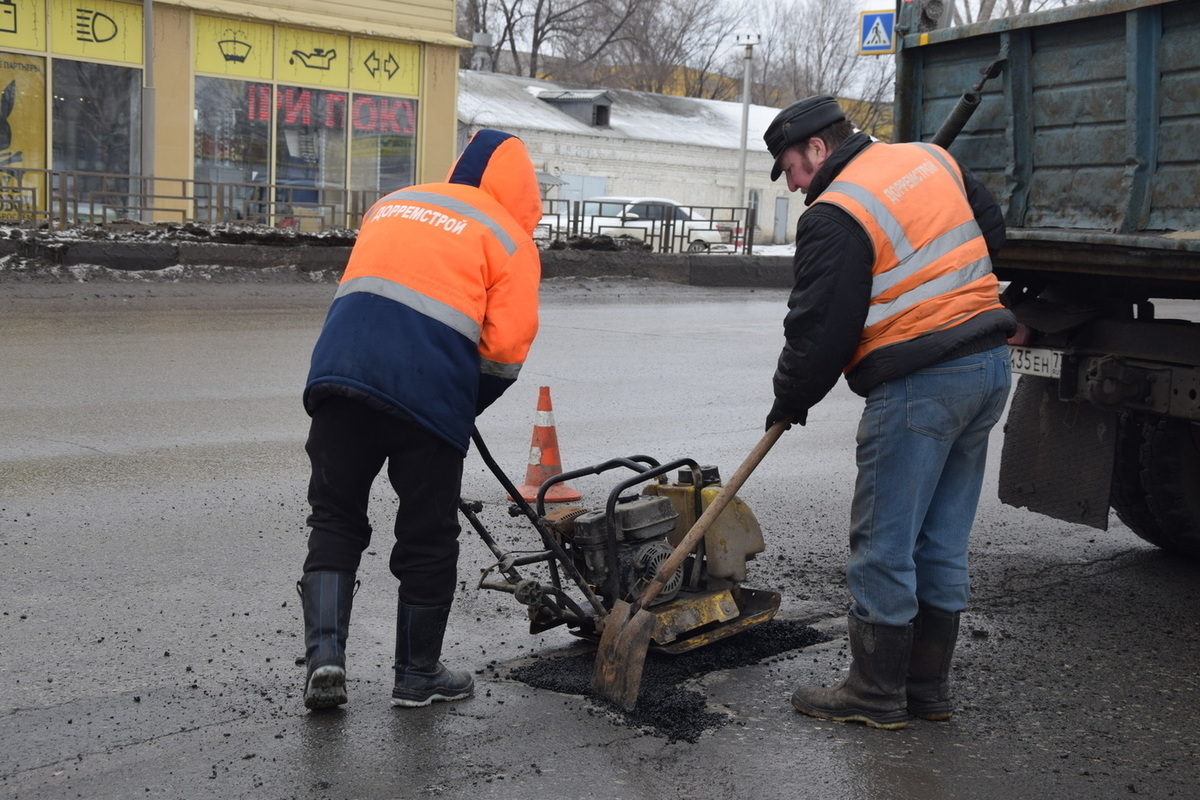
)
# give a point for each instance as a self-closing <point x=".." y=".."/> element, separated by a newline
<point x="665" y="706"/>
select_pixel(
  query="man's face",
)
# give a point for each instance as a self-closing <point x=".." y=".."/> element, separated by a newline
<point x="800" y="164"/>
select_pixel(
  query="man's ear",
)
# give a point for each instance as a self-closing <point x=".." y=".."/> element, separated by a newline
<point x="818" y="150"/>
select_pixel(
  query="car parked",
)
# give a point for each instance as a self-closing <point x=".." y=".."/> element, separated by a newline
<point x="651" y="219"/>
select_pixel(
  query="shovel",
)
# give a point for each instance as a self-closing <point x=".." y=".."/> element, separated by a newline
<point x="629" y="626"/>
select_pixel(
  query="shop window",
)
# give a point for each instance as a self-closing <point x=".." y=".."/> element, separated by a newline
<point x="22" y="134"/>
<point x="97" y="118"/>
<point x="232" y="149"/>
<point x="310" y="153"/>
<point x="383" y="143"/>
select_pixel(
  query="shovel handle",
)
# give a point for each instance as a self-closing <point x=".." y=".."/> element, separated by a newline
<point x="688" y="543"/>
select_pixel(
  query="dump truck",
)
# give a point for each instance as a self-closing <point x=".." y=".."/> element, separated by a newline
<point x="1084" y="122"/>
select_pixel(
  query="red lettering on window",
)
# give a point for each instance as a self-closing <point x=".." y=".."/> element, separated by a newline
<point x="366" y="116"/>
<point x="335" y="110"/>
<point x="397" y="116"/>
<point x="258" y="102"/>
<point x="302" y="106"/>
<point x="383" y="115"/>
<point x="296" y="106"/>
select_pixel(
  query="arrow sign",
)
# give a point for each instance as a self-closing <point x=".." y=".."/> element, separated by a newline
<point x="876" y="32"/>
<point x="372" y="64"/>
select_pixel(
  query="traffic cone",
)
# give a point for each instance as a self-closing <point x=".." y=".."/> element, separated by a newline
<point x="544" y="460"/>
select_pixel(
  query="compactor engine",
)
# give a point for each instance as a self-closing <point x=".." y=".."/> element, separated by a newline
<point x="593" y="557"/>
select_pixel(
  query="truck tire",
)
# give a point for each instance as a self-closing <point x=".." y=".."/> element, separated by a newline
<point x="1128" y="497"/>
<point x="1171" y="478"/>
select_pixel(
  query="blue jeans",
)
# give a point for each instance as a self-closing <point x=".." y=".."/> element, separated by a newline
<point x="922" y="445"/>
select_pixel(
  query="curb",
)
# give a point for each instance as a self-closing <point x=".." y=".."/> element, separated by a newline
<point x="694" y="270"/>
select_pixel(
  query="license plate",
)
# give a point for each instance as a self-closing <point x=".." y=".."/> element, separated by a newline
<point x="1040" y="361"/>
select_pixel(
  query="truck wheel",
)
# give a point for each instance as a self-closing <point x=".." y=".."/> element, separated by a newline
<point x="1171" y="478"/>
<point x="1127" y="496"/>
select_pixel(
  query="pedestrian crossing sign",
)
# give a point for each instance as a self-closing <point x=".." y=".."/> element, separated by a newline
<point x="877" y="33"/>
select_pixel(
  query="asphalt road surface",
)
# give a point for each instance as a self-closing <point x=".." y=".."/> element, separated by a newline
<point x="152" y="505"/>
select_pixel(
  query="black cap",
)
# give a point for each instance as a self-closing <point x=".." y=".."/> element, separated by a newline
<point x="798" y="122"/>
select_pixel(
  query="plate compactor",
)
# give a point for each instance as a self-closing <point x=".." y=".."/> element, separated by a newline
<point x="590" y="558"/>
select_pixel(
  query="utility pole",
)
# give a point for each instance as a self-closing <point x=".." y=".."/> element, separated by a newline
<point x="747" y="40"/>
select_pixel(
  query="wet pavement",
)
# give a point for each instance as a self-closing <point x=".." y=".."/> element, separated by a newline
<point x="152" y="480"/>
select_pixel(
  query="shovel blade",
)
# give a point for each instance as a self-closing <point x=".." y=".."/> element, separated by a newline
<point x="621" y="656"/>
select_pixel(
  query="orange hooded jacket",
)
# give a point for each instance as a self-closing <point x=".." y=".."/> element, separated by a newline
<point x="438" y="305"/>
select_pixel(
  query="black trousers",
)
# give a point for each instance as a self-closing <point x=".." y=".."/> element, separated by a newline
<point x="348" y="444"/>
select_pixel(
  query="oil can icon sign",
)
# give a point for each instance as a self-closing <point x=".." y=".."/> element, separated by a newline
<point x="94" y="26"/>
<point x="319" y="58"/>
<point x="8" y="16"/>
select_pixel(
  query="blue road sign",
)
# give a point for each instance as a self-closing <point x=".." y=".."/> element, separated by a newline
<point x="877" y="32"/>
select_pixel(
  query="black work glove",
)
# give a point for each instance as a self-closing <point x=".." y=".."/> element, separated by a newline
<point x="781" y="411"/>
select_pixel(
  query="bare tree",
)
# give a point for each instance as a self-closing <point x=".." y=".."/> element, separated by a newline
<point x="871" y="106"/>
<point x="808" y="47"/>
<point x="967" y="12"/>
<point x="686" y="47"/>
<point x="528" y="33"/>
<point x="676" y="47"/>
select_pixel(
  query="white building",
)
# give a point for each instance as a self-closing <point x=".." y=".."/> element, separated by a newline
<point x="588" y="143"/>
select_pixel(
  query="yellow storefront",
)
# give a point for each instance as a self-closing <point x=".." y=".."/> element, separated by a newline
<point x="273" y="113"/>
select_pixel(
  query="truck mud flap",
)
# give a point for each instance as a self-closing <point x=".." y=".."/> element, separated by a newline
<point x="1057" y="458"/>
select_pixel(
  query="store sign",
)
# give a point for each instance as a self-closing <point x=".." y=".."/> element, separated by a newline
<point x="314" y="57"/>
<point x="234" y="47"/>
<point x="23" y="24"/>
<point x="383" y="115"/>
<point x="383" y="66"/>
<point x="97" y="29"/>
<point x="22" y="134"/>
<point x="309" y="108"/>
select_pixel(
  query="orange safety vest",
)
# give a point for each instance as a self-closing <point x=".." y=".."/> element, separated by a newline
<point x="932" y="270"/>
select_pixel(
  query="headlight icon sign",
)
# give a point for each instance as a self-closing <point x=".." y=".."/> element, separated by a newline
<point x="8" y="16"/>
<point x="94" y="26"/>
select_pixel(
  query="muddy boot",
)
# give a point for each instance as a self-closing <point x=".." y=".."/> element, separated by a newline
<point x="873" y="692"/>
<point x="934" y="636"/>
<point x="420" y="676"/>
<point x="326" y="598"/>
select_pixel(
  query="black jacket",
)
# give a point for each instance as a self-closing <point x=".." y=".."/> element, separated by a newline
<point x="832" y="291"/>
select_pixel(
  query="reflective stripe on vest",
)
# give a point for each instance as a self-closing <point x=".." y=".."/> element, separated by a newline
<point x="422" y="304"/>
<point x="499" y="370"/>
<point x="453" y="206"/>
<point x="910" y="260"/>
<point x="433" y="309"/>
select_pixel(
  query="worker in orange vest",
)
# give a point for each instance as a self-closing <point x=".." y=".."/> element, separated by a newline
<point x="431" y="322"/>
<point x="894" y="288"/>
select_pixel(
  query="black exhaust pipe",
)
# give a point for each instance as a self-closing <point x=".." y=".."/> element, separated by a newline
<point x="966" y="106"/>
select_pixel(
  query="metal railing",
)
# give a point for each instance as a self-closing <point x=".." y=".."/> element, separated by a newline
<point x="63" y="199"/>
<point x="656" y="227"/>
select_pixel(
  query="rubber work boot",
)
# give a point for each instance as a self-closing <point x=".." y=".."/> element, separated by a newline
<point x="873" y="691"/>
<point x="934" y="636"/>
<point x="326" y="598"/>
<point x="420" y="676"/>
